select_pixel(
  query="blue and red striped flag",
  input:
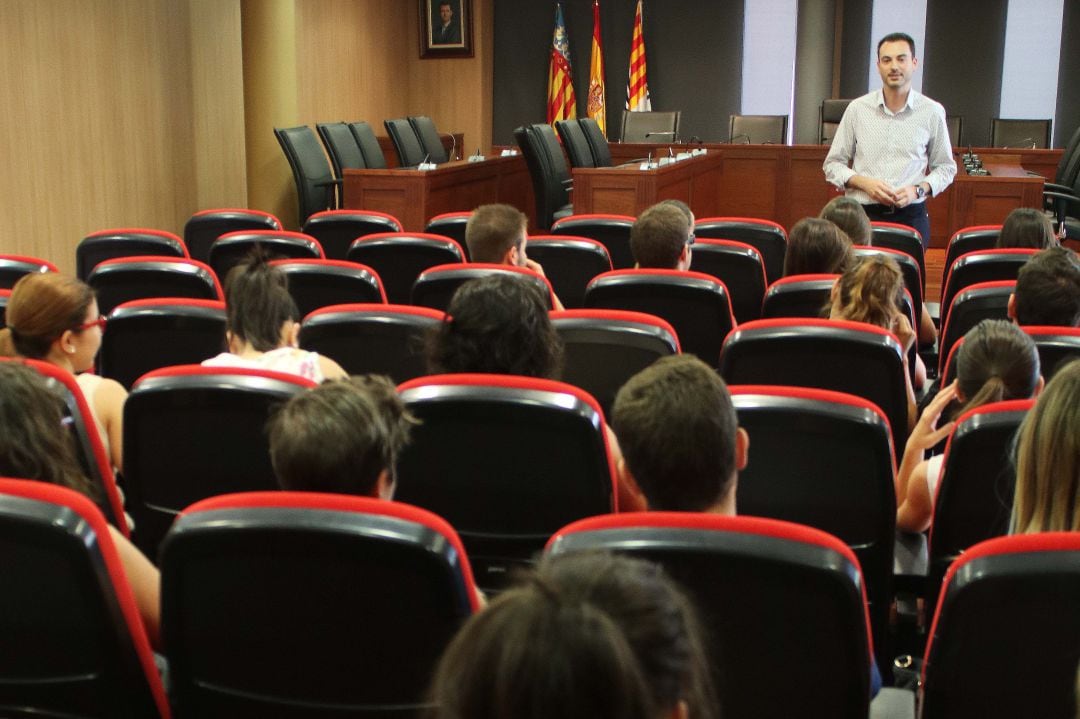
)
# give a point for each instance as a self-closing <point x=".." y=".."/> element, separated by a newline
<point x="562" y="103"/>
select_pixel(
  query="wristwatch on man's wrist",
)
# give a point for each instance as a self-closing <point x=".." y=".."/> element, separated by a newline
<point x="920" y="193"/>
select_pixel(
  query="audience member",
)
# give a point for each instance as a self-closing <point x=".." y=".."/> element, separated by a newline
<point x="343" y="437"/>
<point x="1029" y="228"/>
<point x="870" y="291"/>
<point x="681" y="207"/>
<point x="1048" y="459"/>
<point x="1047" y="290"/>
<point x="496" y="234"/>
<point x="816" y="246"/>
<point x="35" y="446"/>
<point x="848" y="214"/>
<point x="662" y="237"/>
<point x="585" y="636"/>
<point x="996" y="362"/>
<point x="55" y="318"/>
<point x="680" y="439"/>
<point x="264" y="325"/>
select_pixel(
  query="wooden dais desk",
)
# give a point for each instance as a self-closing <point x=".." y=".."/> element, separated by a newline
<point x="628" y="190"/>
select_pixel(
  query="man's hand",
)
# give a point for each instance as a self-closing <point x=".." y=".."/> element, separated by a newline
<point x="879" y="190"/>
<point x="906" y="195"/>
<point x="535" y="267"/>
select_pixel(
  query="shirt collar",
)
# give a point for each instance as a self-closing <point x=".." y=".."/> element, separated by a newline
<point x="909" y="105"/>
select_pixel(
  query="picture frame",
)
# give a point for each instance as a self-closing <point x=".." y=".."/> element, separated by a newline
<point x="446" y="29"/>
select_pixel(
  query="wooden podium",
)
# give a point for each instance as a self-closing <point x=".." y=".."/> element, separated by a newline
<point x="628" y="190"/>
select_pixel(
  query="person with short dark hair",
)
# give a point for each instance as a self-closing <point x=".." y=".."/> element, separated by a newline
<point x="1026" y="227"/>
<point x="343" y="437"/>
<point x="589" y="634"/>
<point x="816" y="246"/>
<point x="662" y="237"/>
<point x="680" y="438"/>
<point x="1048" y="290"/>
<point x="496" y="234"/>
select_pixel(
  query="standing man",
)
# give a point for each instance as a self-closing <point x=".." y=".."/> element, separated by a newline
<point x="448" y="32"/>
<point x="891" y="151"/>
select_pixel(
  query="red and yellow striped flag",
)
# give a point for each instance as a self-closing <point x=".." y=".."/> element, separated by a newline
<point x="597" y="106"/>
<point x="637" y="86"/>
<point x="562" y="103"/>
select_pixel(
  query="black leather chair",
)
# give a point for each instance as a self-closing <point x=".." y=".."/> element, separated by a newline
<point x="1056" y="345"/>
<point x="1004" y="639"/>
<point x="829" y="116"/>
<point x="400" y="257"/>
<point x="970" y="239"/>
<point x="774" y="597"/>
<point x="372" y="338"/>
<point x="974" y="303"/>
<point x="13" y="267"/>
<point x="570" y="263"/>
<point x="369" y="145"/>
<point x="574" y="143"/>
<point x="825" y="459"/>
<point x="125" y="242"/>
<point x="452" y="225"/>
<point x="955" y="125"/>
<point x="612" y="231"/>
<point x="230" y="249"/>
<point x="506" y="460"/>
<point x="204" y="227"/>
<point x="1020" y="133"/>
<point x="650" y="126"/>
<point x="598" y="143"/>
<point x="435" y="286"/>
<point x="605" y="348"/>
<point x="406" y="143"/>
<point x="767" y="236"/>
<point x="547" y="168"/>
<point x="135" y="278"/>
<point x="758" y="129"/>
<point x="77" y="646"/>
<point x="4" y="296"/>
<point x="320" y="283"/>
<point x="697" y="305"/>
<point x="981" y="266"/>
<point x="146" y="335"/>
<point x="353" y="572"/>
<point x="798" y="296"/>
<point x="341" y="146"/>
<point x="193" y="432"/>
<point x="893" y="236"/>
<point x="740" y="267"/>
<point x="336" y="230"/>
<point x="316" y="186"/>
<point x="424" y="127"/>
<point x="909" y="268"/>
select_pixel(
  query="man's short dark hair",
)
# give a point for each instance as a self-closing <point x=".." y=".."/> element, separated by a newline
<point x="676" y="427"/>
<point x="897" y="37"/>
<point x="1048" y="289"/>
<point x="658" y="236"/>
<point x="339" y="436"/>
<point x="492" y="230"/>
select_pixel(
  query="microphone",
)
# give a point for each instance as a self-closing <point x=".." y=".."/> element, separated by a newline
<point x="1023" y="145"/>
<point x="453" y="147"/>
<point x="666" y="133"/>
<point x="423" y="162"/>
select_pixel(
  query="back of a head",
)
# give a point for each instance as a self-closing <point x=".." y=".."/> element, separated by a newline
<point x="1048" y="459"/>
<point x="497" y="324"/>
<point x="1027" y="228"/>
<point x="34" y="441"/>
<point x="676" y="427"/>
<point x="848" y="214"/>
<point x="870" y="291"/>
<point x="658" y="236"/>
<point x="339" y="436"/>
<point x="258" y="302"/>
<point x="586" y="636"/>
<point x="1048" y="289"/>
<point x="42" y="306"/>
<point x="998" y="361"/>
<point x="492" y="230"/>
<point x="816" y="246"/>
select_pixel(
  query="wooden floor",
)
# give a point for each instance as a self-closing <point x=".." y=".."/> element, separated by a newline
<point x="935" y="267"/>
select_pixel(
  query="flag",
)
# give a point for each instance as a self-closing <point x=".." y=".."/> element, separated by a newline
<point x="596" y="107"/>
<point x="637" y="87"/>
<point x="562" y="104"/>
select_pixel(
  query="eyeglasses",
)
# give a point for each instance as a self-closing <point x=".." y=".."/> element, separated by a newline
<point x="690" y="240"/>
<point x="99" y="322"/>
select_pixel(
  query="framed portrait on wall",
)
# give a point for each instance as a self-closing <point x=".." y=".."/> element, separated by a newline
<point x="446" y="28"/>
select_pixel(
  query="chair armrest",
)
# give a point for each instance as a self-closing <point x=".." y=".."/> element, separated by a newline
<point x="1054" y="187"/>
<point x="1064" y="205"/>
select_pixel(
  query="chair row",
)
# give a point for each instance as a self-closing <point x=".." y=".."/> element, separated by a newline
<point x="376" y="589"/>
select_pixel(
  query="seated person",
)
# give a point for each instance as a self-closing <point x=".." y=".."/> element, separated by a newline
<point x="1048" y="290"/>
<point x="35" y="446"/>
<point x="496" y="234"/>
<point x="996" y="362"/>
<point x="680" y="439"/>
<point x="263" y="325"/>
<point x="815" y="247"/>
<point x="584" y="635"/>
<point x="662" y="237"/>
<point x="1026" y="227"/>
<point x="1048" y="459"/>
<point x="848" y="214"/>
<point x="342" y="437"/>
<point x="869" y="291"/>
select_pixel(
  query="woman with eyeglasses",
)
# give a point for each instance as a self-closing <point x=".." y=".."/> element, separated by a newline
<point x="55" y="318"/>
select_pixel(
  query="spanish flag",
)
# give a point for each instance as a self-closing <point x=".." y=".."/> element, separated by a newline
<point x="637" y="86"/>
<point x="562" y="104"/>
<point x="596" y="108"/>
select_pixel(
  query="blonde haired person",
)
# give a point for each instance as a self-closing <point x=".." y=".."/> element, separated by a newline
<point x="1048" y="459"/>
